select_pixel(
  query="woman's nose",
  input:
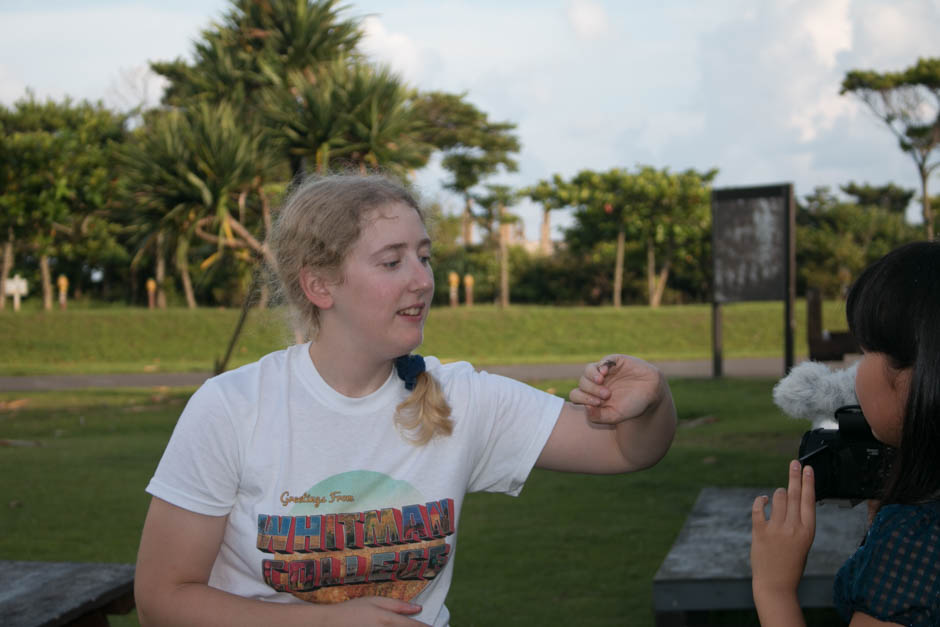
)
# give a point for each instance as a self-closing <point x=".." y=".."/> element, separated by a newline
<point x="421" y="276"/>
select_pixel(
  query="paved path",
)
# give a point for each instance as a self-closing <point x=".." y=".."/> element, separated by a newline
<point x="762" y="367"/>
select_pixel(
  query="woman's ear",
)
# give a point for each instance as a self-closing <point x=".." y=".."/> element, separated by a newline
<point x="316" y="288"/>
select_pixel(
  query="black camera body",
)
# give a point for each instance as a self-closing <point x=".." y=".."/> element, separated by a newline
<point x="848" y="462"/>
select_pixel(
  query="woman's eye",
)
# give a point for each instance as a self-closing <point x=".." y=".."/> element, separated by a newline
<point x="426" y="259"/>
<point x="391" y="264"/>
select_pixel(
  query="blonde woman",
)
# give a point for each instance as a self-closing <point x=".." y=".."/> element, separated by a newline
<point x="322" y="485"/>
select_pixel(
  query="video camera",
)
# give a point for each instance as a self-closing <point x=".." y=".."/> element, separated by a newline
<point x="848" y="462"/>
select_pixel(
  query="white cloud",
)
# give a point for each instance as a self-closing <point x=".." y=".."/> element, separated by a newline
<point x="396" y="49"/>
<point x="829" y="29"/>
<point x="79" y="51"/>
<point x="135" y="87"/>
<point x="12" y="88"/>
<point x="782" y="64"/>
<point x="588" y="18"/>
<point x="890" y="36"/>
<point x="749" y="87"/>
<point x="660" y="128"/>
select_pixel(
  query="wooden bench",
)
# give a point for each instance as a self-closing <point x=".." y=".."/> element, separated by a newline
<point x="49" y="594"/>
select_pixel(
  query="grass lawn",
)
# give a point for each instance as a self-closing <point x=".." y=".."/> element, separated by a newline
<point x="572" y="549"/>
<point x="123" y="339"/>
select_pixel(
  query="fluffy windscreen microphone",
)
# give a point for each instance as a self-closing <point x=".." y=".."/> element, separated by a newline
<point x="814" y="391"/>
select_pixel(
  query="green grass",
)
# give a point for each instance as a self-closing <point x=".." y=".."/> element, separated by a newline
<point x="121" y="339"/>
<point x="572" y="549"/>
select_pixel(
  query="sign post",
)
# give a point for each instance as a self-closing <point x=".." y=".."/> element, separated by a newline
<point x="17" y="288"/>
<point x="754" y="253"/>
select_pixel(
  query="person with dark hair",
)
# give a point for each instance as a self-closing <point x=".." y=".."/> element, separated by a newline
<point x="323" y="484"/>
<point x="893" y="310"/>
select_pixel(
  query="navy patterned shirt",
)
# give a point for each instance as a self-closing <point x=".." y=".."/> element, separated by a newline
<point x="895" y="575"/>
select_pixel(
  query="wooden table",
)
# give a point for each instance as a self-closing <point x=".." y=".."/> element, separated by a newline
<point x="47" y="594"/>
<point x="708" y="567"/>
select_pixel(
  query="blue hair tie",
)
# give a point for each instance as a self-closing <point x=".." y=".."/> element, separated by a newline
<point x="408" y="368"/>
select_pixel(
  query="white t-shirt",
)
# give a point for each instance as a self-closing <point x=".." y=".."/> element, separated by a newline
<point x="326" y="500"/>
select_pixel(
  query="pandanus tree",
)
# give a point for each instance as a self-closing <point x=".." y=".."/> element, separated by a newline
<point x="384" y="127"/>
<point x="187" y="171"/>
<point x="348" y="113"/>
<point x="259" y="47"/>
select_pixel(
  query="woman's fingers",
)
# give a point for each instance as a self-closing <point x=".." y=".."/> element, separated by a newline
<point x="591" y="390"/>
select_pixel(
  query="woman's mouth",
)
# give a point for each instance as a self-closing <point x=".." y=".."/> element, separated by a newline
<point x="411" y="311"/>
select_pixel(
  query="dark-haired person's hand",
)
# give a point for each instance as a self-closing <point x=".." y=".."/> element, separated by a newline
<point x="779" y="546"/>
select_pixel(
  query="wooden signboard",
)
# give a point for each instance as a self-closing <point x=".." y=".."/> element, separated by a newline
<point x="754" y="254"/>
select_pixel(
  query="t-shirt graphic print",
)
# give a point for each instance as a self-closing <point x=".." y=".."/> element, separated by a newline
<point x="358" y="533"/>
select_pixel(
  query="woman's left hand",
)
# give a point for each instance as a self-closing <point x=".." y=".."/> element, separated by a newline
<point x="619" y="388"/>
<point x="621" y="418"/>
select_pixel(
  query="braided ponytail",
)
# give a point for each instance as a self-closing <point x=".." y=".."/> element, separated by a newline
<point x="425" y="413"/>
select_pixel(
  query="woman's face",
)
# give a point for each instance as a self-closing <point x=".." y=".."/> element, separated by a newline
<point x="382" y="301"/>
<point x="882" y="393"/>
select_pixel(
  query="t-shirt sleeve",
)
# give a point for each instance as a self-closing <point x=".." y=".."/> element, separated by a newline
<point x="511" y="422"/>
<point x="199" y="470"/>
<point x="895" y="577"/>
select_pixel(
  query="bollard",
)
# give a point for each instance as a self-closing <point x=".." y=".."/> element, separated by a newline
<point x="453" y="279"/>
<point x="63" y="284"/>
<point x="151" y="293"/>
<point x="468" y="289"/>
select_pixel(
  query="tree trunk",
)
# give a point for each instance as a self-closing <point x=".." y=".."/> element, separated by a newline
<point x="650" y="271"/>
<point x="927" y="210"/>
<point x="467" y="224"/>
<point x="160" y="271"/>
<point x="264" y="293"/>
<point x="242" y="197"/>
<point x="504" y="264"/>
<point x="265" y="211"/>
<point x="7" y="267"/>
<point x="545" y="240"/>
<point x="183" y="269"/>
<point x="46" y="275"/>
<point x="618" y="266"/>
<point x="660" y="289"/>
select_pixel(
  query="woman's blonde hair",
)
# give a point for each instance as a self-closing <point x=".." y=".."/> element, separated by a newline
<point x="317" y="225"/>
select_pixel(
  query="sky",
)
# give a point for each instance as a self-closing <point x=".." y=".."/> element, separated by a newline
<point x="750" y="87"/>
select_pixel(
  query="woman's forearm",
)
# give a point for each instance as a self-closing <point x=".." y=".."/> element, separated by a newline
<point x="197" y="604"/>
